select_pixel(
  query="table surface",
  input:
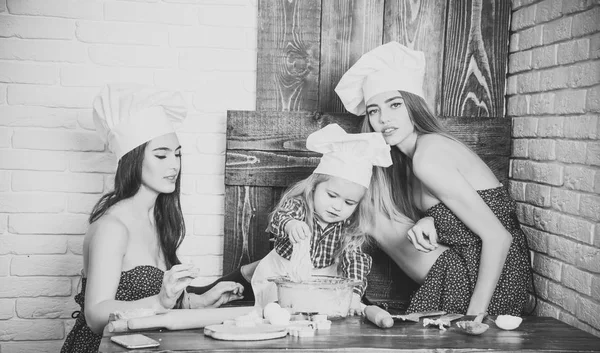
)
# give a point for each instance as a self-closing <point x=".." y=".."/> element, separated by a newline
<point x="356" y="334"/>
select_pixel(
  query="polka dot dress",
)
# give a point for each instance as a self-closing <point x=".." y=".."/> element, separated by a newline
<point x="138" y="283"/>
<point x="451" y="280"/>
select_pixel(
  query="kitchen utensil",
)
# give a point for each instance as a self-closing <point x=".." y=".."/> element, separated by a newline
<point x="475" y="327"/>
<point x="442" y="321"/>
<point x="329" y="295"/>
<point x="183" y="319"/>
<point x="234" y="333"/>
<point x="416" y="316"/>
<point x="378" y="316"/>
<point x="448" y="318"/>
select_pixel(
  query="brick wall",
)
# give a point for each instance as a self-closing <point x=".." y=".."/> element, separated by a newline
<point x="554" y="100"/>
<point x="54" y="57"/>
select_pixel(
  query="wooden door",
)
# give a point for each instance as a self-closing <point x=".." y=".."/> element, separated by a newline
<point x="304" y="47"/>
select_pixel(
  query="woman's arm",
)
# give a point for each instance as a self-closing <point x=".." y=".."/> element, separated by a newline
<point x="221" y="293"/>
<point x="435" y="168"/>
<point x="106" y="249"/>
<point x="423" y="235"/>
<point x="392" y="238"/>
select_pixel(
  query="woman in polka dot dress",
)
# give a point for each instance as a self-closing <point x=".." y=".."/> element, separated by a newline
<point x="129" y="250"/>
<point x="481" y="263"/>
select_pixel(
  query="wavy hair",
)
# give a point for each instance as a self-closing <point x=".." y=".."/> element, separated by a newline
<point x="399" y="176"/>
<point x="357" y="225"/>
<point x="167" y="209"/>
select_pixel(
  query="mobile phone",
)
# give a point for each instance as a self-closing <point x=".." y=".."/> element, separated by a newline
<point x="135" y="340"/>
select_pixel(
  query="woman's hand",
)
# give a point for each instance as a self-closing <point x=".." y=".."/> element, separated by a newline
<point x="174" y="282"/>
<point x="221" y="293"/>
<point x="355" y="305"/>
<point x="297" y="230"/>
<point x="423" y="235"/>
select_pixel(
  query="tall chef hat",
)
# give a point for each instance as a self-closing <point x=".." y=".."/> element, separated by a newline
<point x="389" y="67"/>
<point x="128" y="115"/>
<point x="349" y="156"/>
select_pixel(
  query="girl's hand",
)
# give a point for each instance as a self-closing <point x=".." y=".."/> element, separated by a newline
<point x="423" y="235"/>
<point x="297" y="230"/>
<point x="221" y="293"/>
<point x="355" y="306"/>
<point x="174" y="282"/>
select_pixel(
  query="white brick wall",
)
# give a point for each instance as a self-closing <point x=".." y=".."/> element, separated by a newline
<point x="554" y="99"/>
<point x="55" y="55"/>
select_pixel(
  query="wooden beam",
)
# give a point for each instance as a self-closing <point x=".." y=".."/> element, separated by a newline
<point x="287" y="80"/>
<point x="289" y="45"/>
<point x="282" y="169"/>
<point x="280" y="131"/>
<point x="287" y="131"/>
<point x="260" y="168"/>
<point x="266" y="148"/>
<point x="247" y="210"/>
<point x="420" y="25"/>
<point x="476" y="52"/>
<point x="349" y="28"/>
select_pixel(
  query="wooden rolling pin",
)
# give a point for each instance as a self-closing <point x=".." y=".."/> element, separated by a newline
<point x="183" y="319"/>
<point x="378" y="316"/>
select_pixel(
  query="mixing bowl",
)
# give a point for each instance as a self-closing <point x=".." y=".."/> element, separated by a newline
<point x="329" y="295"/>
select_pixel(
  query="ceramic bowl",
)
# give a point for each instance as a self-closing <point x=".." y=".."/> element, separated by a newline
<point x="508" y="322"/>
<point x="327" y="295"/>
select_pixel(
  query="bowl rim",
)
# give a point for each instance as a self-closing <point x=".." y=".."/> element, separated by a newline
<point x="341" y="281"/>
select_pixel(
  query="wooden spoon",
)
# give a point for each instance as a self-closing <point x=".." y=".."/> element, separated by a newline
<point x="474" y="327"/>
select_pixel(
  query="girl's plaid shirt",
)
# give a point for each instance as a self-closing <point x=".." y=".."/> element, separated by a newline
<point x="355" y="264"/>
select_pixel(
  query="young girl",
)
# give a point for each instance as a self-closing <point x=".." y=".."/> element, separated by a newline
<point x="129" y="251"/>
<point x="483" y="264"/>
<point x="324" y="210"/>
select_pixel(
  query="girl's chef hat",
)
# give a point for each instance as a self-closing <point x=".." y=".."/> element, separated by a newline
<point x="389" y="67"/>
<point x="128" y="115"/>
<point x="349" y="156"/>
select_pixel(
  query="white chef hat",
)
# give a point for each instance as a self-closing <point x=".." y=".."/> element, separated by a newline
<point x="389" y="67"/>
<point x="128" y="115"/>
<point x="349" y="156"/>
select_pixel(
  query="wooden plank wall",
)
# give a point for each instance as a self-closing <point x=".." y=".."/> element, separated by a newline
<point x="305" y="46"/>
<point x="287" y="80"/>
<point x="475" y="58"/>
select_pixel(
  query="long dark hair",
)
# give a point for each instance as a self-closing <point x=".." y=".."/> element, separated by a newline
<point x="167" y="209"/>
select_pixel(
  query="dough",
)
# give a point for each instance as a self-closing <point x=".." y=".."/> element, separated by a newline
<point x="301" y="262"/>
<point x="270" y="309"/>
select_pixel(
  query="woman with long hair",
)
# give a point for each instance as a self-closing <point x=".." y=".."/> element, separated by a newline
<point x="130" y="258"/>
<point x="478" y="260"/>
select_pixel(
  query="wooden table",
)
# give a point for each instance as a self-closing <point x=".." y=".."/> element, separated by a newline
<point x="355" y="334"/>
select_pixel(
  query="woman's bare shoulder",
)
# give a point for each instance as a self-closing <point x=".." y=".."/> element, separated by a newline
<point x="434" y="143"/>
<point x="432" y="149"/>
<point x="109" y="227"/>
<point x="440" y="148"/>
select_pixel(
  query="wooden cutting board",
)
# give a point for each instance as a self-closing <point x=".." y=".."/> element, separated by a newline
<point x="235" y="333"/>
<point x="182" y="319"/>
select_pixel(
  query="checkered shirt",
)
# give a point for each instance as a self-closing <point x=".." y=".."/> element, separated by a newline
<point x="355" y="264"/>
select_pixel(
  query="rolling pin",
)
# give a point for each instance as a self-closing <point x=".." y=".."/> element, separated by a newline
<point x="379" y="316"/>
<point x="182" y="319"/>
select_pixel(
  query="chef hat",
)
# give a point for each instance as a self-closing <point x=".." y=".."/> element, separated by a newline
<point x="128" y="115"/>
<point x="389" y="67"/>
<point x="349" y="156"/>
